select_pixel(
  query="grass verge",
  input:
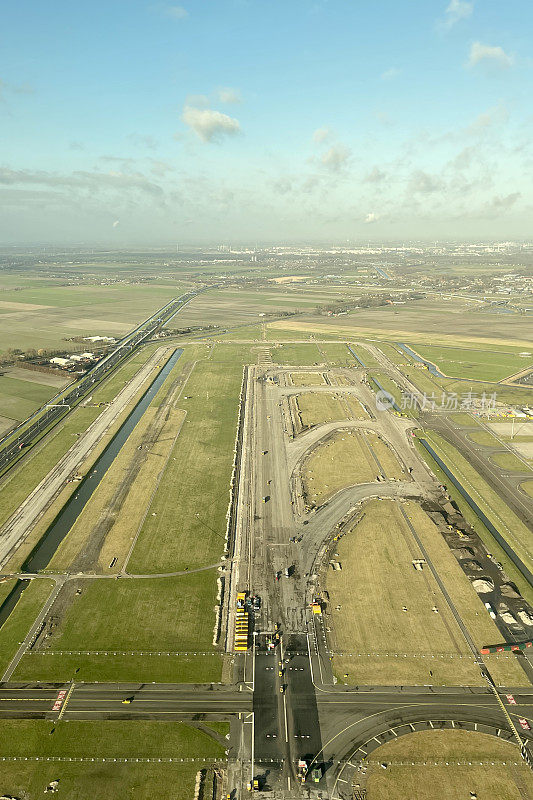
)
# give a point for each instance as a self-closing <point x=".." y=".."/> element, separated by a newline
<point x="502" y="773"/>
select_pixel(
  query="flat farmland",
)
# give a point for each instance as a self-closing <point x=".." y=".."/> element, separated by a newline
<point x="376" y="640"/>
<point x="421" y="322"/>
<point x="20" y="398"/>
<point x="44" y="317"/>
<point x="459" y="764"/>
<point x="481" y="364"/>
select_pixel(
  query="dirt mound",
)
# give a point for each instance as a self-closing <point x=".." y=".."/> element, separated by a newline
<point x="483" y="585"/>
<point x="473" y="566"/>
<point x="463" y="552"/>
<point x="509" y="590"/>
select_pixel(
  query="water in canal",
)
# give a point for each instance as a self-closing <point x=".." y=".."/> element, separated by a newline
<point x="47" y="546"/>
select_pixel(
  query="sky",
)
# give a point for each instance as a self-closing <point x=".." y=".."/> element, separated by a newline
<point x="245" y="121"/>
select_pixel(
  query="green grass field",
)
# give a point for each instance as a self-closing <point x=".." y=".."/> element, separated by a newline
<point x="308" y="379"/>
<point x="480" y="364"/>
<point x="316" y="408"/>
<point x="58" y="666"/>
<point x="140" y="614"/>
<point x="508" y="461"/>
<point x="19" y="398"/>
<point x="527" y="486"/>
<point x="371" y="620"/>
<point x="107" y="739"/>
<point x="20" y="620"/>
<point x="442" y="777"/>
<point x="46" y="316"/>
<point x="292" y="354"/>
<point x="190" y="505"/>
<point x="346" y="459"/>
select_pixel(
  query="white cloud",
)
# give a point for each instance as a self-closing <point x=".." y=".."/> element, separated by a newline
<point x="456" y="11"/>
<point x="208" y="124"/>
<point x="321" y="135"/>
<point x="389" y="74"/>
<point x="423" y="183"/>
<point x="480" y="53"/>
<point x="176" y="12"/>
<point x="335" y="157"/>
<point x="493" y="116"/>
<point x="228" y="95"/>
<point x="371" y="217"/>
<point x="197" y="100"/>
<point x="375" y="176"/>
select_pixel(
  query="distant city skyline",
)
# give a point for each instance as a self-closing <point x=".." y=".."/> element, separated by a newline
<point x="319" y="120"/>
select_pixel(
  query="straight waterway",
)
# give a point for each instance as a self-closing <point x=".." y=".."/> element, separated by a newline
<point x="60" y="527"/>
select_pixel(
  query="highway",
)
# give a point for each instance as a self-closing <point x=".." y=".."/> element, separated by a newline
<point x="50" y="413"/>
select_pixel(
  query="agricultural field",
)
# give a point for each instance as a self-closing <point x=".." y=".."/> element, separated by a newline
<point x="379" y="643"/>
<point x="347" y="458"/>
<point x="479" y="364"/>
<point x="19" y="398"/>
<point x="432" y="321"/>
<point x="458" y="763"/>
<point x="107" y="780"/>
<point x="46" y="316"/>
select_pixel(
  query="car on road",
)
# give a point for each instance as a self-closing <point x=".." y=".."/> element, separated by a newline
<point x="256" y="602"/>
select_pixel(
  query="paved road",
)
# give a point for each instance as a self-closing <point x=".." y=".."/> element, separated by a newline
<point x="104" y="701"/>
<point x="21" y="522"/>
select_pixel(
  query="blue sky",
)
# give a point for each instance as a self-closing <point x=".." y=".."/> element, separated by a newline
<point x="244" y="120"/>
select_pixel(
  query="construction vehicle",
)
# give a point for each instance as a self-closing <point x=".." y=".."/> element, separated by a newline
<point x="241" y="623"/>
<point x="316" y="606"/>
<point x="316" y="774"/>
<point x="302" y="771"/>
